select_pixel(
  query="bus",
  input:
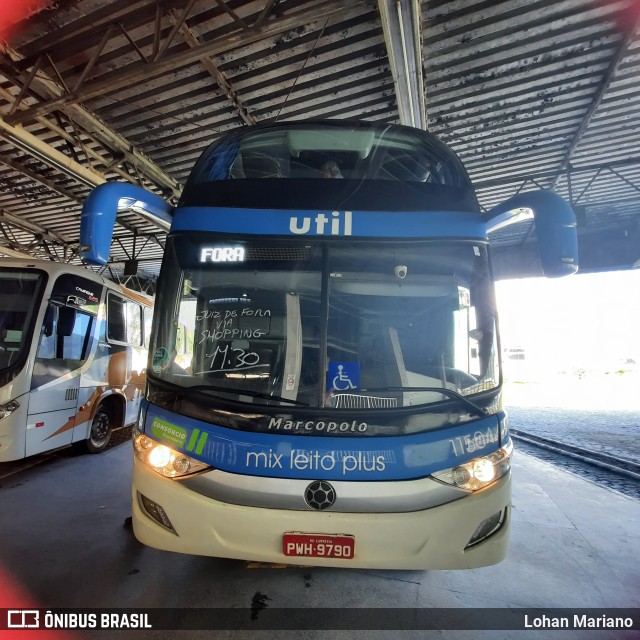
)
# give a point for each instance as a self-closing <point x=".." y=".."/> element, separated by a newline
<point x="73" y="356"/>
<point x="340" y="402"/>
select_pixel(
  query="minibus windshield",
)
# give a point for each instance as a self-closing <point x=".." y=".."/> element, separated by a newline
<point x="20" y="294"/>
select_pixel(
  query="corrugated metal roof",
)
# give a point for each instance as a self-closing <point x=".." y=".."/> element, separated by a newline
<point x="539" y="94"/>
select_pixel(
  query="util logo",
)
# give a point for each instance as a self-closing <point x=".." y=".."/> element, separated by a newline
<point x="339" y="224"/>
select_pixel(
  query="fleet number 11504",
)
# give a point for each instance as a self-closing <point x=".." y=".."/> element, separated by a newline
<point x="472" y="443"/>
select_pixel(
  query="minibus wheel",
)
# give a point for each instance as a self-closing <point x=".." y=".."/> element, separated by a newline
<point x="100" y="433"/>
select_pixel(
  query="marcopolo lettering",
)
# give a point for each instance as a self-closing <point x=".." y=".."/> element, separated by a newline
<point x="280" y="424"/>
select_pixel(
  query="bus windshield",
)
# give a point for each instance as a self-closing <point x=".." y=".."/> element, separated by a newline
<point x="337" y="325"/>
<point x="20" y="293"/>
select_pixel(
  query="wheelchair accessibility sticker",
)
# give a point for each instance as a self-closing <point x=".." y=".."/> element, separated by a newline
<point x="343" y="376"/>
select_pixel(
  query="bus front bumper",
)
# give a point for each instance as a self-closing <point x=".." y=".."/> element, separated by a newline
<point x="434" y="538"/>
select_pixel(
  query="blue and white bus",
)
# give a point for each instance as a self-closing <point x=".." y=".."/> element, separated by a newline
<point x="324" y="379"/>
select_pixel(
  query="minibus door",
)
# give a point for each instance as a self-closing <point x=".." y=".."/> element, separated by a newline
<point x="55" y="383"/>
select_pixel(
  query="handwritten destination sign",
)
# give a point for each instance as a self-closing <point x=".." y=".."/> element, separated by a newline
<point x="224" y="325"/>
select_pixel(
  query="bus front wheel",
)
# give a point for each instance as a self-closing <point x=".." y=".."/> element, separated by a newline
<point x="100" y="433"/>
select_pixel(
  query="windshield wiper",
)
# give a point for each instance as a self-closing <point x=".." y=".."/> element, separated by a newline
<point x="200" y="388"/>
<point x="450" y="393"/>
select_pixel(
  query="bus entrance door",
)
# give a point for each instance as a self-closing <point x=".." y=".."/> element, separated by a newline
<point x="52" y="414"/>
<point x="55" y="383"/>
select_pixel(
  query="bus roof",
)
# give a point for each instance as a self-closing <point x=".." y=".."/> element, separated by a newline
<point x="57" y="268"/>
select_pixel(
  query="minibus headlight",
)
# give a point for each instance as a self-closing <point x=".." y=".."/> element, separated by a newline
<point x="479" y="472"/>
<point x="164" y="460"/>
<point x="8" y="408"/>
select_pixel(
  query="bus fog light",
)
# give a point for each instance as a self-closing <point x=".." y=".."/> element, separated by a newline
<point x="486" y="528"/>
<point x="155" y="512"/>
<point x="165" y="460"/>
<point x="480" y="472"/>
<point x="146" y="443"/>
<point x="181" y="464"/>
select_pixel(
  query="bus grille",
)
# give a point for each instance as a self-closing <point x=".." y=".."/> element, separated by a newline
<point x="355" y="401"/>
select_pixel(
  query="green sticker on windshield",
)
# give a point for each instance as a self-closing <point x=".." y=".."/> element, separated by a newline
<point x="160" y="360"/>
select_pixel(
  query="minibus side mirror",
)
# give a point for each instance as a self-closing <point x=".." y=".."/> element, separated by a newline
<point x="66" y="321"/>
<point x="49" y="319"/>
<point x="99" y="216"/>
<point x="555" y="228"/>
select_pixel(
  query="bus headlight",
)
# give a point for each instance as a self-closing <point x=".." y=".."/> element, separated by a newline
<point x="164" y="460"/>
<point x="479" y="472"/>
<point x="8" y="408"/>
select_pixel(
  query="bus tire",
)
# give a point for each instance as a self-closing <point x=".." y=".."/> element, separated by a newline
<point x="100" y="434"/>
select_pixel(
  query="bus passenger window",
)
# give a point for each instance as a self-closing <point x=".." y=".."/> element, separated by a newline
<point x="148" y="319"/>
<point x="116" y="326"/>
<point x="134" y="324"/>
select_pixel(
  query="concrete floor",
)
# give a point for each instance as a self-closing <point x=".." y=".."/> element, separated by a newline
<point x="64" y="543"/>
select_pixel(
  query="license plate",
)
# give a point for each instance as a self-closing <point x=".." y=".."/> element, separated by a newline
<point x="318" y="545"/>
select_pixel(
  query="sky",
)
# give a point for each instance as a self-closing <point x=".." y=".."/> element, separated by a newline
<point x="589" y="321"/>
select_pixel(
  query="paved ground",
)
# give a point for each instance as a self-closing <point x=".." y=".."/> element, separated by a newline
<point x="63" y="544"/>
<point x="598" y="414"/>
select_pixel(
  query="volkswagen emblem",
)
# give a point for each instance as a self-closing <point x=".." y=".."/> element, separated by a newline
<point x="320" y="495"/>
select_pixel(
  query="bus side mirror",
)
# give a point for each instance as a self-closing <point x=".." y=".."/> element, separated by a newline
<point x="99" y="216"/>
<point x="555" y="227"/>
<point x="66" y="321"/>
<point x="49" y="319"/>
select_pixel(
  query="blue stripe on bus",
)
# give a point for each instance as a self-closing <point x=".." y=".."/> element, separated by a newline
<point x="373" y="224"/>
<point x="333" y="458"/>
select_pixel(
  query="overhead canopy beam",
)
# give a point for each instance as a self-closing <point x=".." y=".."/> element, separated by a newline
<point x="622" y="50"/>
<point x="141" y="71"/>
<point x="96" y="127"/>
<point x="25" y="171"/>
<point x="14" y="253"/>
<point x="401" y="24"/>
<point x="109" y="163"/>
<point x="541" y="175"/>
<point x="35" y="229"/>
<point x="37" y="247"/>
<point x="67" y="35"/>
<point x="192" y="40"/>
<point x="32" y="145"/>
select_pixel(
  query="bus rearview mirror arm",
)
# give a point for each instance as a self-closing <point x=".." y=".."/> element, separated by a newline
<point x="555" y="227"/>
<point x="99" y="216"/>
